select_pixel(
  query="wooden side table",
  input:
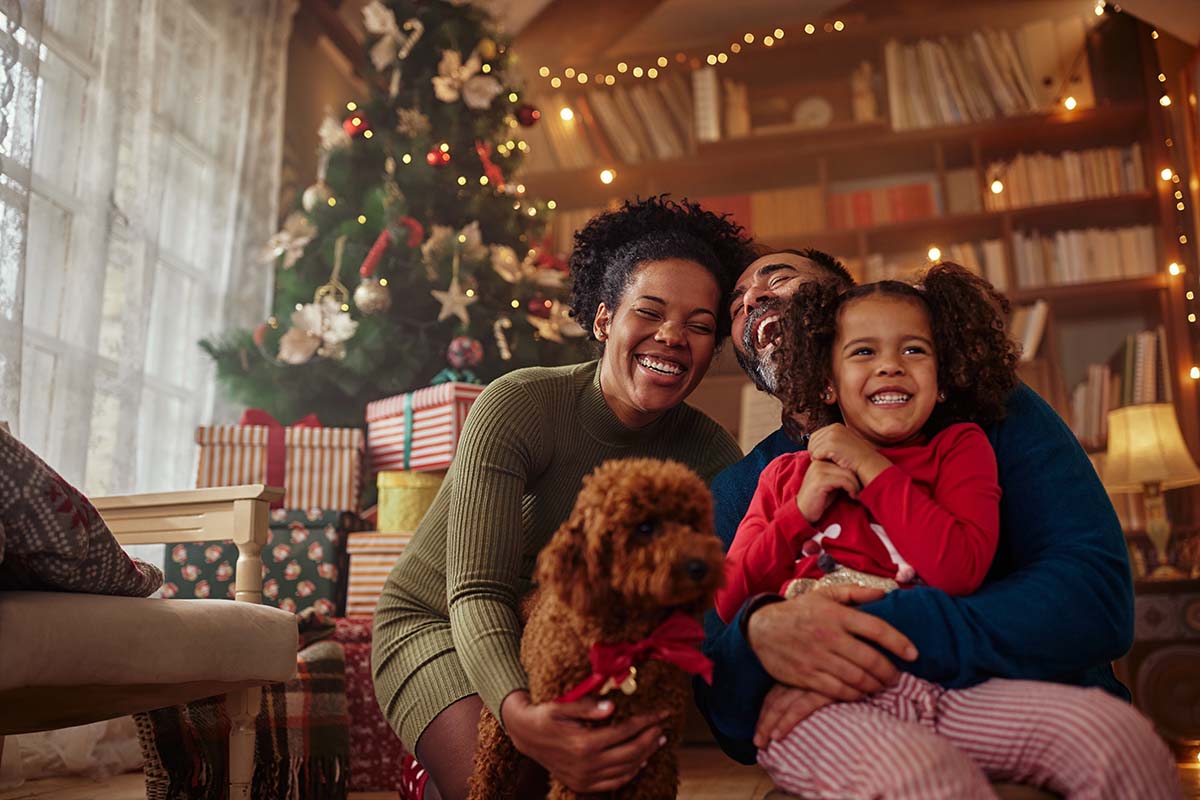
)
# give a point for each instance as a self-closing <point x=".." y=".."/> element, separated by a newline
<point x="1162" y="669"/>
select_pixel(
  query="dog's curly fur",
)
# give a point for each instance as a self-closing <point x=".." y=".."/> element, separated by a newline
<point x="607" y="575"/>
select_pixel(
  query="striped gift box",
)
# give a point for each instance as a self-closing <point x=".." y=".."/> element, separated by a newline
<point x="437" y="414"/>
<point x="323" y="468"/>
<point x="372" y="556"/>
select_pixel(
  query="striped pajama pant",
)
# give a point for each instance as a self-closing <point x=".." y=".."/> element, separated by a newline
<point x="918" y="740"/>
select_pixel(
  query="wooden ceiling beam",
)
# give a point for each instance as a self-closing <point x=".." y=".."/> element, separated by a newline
<point x="572" y="32"/>
<point x="325" y="13"/>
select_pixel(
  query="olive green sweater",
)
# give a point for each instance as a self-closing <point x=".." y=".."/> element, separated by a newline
<point x="528" y="442"/>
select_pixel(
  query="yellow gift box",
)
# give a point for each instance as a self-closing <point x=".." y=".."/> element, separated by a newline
<point x="404" y="497"/>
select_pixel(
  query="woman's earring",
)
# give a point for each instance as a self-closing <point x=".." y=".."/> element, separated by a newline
<point x="827" y="396"/>
<point x="941" y="397"/>
<point x="600" y="335"/>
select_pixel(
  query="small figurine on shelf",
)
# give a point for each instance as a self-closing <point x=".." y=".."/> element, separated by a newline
<point x="862" y="93"/>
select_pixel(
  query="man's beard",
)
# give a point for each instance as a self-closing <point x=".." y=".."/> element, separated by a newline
<point x="762" y="368"/>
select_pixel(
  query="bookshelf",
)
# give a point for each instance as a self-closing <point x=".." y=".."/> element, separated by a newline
<point x="840" y="187"/>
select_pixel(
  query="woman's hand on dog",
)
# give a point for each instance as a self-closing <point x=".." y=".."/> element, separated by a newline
<point x="815" y="642"/>
<point x="783" y="708"/>
<point x="584" y="758"/>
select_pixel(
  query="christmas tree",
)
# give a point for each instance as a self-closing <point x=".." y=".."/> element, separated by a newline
<point x="415" y="256"/>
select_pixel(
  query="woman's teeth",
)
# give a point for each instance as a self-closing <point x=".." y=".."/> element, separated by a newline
<point x="661" y="367"/>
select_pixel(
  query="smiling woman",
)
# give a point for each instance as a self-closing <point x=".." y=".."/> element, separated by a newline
<point x="649" y="279"/>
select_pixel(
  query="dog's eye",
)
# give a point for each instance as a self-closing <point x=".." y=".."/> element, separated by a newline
<point x="646" y="528"/>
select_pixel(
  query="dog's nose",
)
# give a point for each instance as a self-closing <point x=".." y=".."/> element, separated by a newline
<point x="696" y="569"/>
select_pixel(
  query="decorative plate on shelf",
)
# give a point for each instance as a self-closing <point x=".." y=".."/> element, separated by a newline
<point x="812" y="112"/>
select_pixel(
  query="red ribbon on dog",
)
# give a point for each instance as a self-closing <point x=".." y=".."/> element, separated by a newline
<point x="677" y="641"/>
<point x="276" y="442"/>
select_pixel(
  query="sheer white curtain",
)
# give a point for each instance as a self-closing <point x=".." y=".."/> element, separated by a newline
<point x="140" y="146"/>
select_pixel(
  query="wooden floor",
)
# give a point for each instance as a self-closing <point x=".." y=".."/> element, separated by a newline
<point x="707" y="775"/>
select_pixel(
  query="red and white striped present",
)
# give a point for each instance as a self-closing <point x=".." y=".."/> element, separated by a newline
<point x="372" y="556"/>
<point x="436" y="415"/>
<point x="322" y="466"/>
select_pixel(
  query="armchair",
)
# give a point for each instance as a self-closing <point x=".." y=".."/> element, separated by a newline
<point x="71" y="658"/>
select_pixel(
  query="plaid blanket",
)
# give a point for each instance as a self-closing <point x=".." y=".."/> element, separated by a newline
<point x="303" y="742"/>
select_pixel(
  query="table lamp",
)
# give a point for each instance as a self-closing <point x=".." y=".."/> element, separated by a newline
<point x="1146" y="453"/>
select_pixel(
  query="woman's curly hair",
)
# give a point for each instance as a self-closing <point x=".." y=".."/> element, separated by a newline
<point x="976" y="361"/>
<point x="610" y="248"/>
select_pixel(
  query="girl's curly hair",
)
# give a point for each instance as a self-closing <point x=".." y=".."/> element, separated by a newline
<point x="610" y="248"/>
<point x="976" y="361"/>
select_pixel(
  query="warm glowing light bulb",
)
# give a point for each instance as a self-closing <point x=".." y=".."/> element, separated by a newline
<point x="934" y="253"/>
<point x="1070" y="103"/>
<point x="1191" y="318"/>
<point x="567" y="114"/>
<point x="722" y="57"/>
<point x="1164" y="101"/>
<point x="1179" y="206"/>
<point x="569" y="72"/>
<point x="607" y="176"/>
<point x="768" y="40"/>
<point x="748" y="38"/>
<point x="356" y="121"/>
<point x="485" y="69"/>
<point x="362" y="219"/>
<point x="462" y="180"/>
<point x="532" y="211"/>
<point x="556" y="82"/>
<point x="406" y="158"/>
<point x="345" y="306"/>
<point x="469" y="293"/>
<point x="332" y="202"/>
<point x="662" y="61"/>
<point x="383" y="281"/>
<point x="544" y="72"/>
<point x="997" y="186"/>
<point x="550" y="204"/>
<point x="637" y="72"/>
<point x="735" y="48"/>
<point x="351" y="106"/>
<point x="1174" y="268"/>
<point x="1153" y="34"/>
<point x="515" y="304"/>
<point x="712" y="59"/>
<point x="1195" y="375"/>
<point x="838" y="25"/>
<point x="1162" y="78"/>
<point x="444" y="147"/>
<point x="513" y="97"/>
<point x="483" y="180"/>
<point x="582" y="77"/>
<point x="462" y="238"/>
<point x="520" y="188"/>
<point x="778" y="33"/>
<point x="1166" y="174"/>
<point x="367" y="134"/>
<point x="1099" y="9"/>
<point x="622" y="67"/>
<point x="652" y="73"/>
<point x="810" y="29"/>
<point x="609" y="80"/>
<point x="1190" y="295"/>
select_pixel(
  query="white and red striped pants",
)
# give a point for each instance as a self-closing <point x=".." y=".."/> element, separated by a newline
<point x="918" y="740"/>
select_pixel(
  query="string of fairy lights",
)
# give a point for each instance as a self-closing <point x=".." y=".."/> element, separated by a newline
<point x="652" y="67"/>
<point x="1170" y="175"/>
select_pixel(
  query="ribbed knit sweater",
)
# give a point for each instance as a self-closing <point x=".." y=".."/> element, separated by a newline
<point x="527" y="443"/>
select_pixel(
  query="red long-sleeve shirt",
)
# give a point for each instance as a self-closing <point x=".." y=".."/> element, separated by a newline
<point x="939" y="504"/>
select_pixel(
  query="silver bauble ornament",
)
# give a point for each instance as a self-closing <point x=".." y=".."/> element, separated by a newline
<point x="316" y="195"/>
<point x="372" y="296"/>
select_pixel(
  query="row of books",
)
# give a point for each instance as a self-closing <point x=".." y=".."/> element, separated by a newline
<point x="987" y="74"/>
<point x="898" y="198"/>
<point x="647" y="121"/>
<point x="1079" y="256"/>
<point x="1038" y="178"/>
<point x="1137" y="373"/>
<point x="984" y="258"/>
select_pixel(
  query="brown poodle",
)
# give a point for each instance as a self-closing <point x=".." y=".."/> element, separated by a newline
<point x="638" y="547"/>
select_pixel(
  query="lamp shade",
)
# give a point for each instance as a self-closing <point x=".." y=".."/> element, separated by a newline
<point x="1146" y="447"/>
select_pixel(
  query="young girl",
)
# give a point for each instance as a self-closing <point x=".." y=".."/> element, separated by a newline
<point x="899" y="486"/>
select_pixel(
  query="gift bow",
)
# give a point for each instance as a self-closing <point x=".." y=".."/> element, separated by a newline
<point x="276" y="443"/>
<point x="676" y="641"/>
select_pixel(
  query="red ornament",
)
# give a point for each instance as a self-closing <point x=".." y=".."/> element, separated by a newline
<point x="437" y="157"/>
<point x="527" y="115"/>
<point x="484" y="151"/>
<point x="355" y="124"/>
<point x="375" y="253"/>
<point x="539" y="306"/>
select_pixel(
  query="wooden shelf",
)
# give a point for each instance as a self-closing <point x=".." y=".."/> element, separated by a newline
<point x="791" y="158"/>
<point x="1095" y="296"/>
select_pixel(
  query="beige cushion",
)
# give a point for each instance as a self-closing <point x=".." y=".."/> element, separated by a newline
<point x="66" y="639"/>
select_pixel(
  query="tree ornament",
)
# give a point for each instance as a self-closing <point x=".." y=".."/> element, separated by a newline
<point x="455" y="79"/>
<point x="331" y="135"/>
<point x="484" y="151"/>
<point x="454" y="300"/>
<point x="498" y="328"/>
<point x="395" y="42"/>
<point x="291" y="240"/>
<point x="318" y="328"/>
<point x="437" y="157"/>
<point x="464" y="352"/>
<point x="416" y="232"/>
<point x="355" y="124"/>
<point x="539" y="306"/>
<point x="556" y="324"/>
<point x="412" y="123"/>
<point x="487" y="48"/>
<point x="527" y="115"/>
<point x="316" y="196"/>
<point x="371" y="296"/>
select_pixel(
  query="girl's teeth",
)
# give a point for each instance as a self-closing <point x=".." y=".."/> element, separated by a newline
<point x="880" y="399"/>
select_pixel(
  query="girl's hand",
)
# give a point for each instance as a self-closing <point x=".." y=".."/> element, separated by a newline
<point x="585" y="759"/>
<point x="784" y="708"/>
<point x="847" y="449"/>
<point x="821" y="482"/>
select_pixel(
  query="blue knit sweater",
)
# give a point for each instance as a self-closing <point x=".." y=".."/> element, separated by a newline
<point x="1057" y="604"/>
